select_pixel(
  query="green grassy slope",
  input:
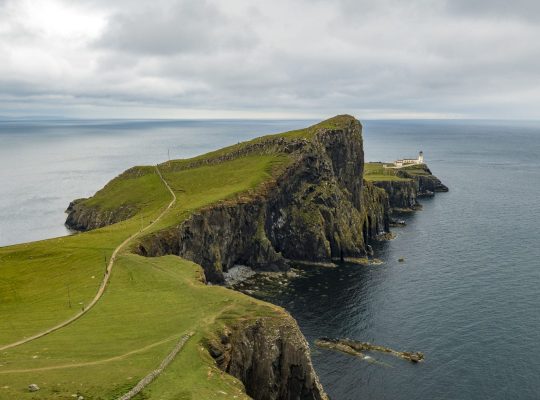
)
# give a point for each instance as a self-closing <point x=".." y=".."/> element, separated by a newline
<point x="149" y="304"/>
<point x="336" y="122"/>
<point x="375" y="171"/>
<point x="38" y="280"/>
<point x="147" y="307"/>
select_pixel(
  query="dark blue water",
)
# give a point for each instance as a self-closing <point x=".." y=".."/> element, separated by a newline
<point x="467" y="296"/>
<point x="46" y="164"/>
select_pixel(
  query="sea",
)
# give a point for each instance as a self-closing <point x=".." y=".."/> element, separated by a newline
<point x="467" y="295"/>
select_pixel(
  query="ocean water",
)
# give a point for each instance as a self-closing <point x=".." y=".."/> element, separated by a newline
<point x="46" y="164"/>
<point x="467" y="295"/>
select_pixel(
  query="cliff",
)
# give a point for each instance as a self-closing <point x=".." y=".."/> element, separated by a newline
<point x="270" y="356"/>
<point x="92" y="213"/>
<point x="402" y="194"/>
<point x="405" y="185"/>
<point x="377" y="209"/>
<point x="315" y="209"/>
<point x="82" y="217"/>
<point x="426" y="182"/>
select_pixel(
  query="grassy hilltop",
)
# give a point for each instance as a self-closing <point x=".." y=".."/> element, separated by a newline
<point x="149" y="303"/>
<point x="375" y="171"/>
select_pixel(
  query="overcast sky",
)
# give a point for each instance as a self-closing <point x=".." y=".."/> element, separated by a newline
<point x="277" y="59"/>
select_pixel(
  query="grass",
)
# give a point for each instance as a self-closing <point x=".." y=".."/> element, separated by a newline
<point x="137" y="188"/>
<point x="375" y="172"/>
<point x="148" y="305"/>
<point x="198" y="187"/>
<point x="415" y="170"/>
<point x="337" y="122"/>
<point x="43" y="283"/>
<point x="149" y="302"/>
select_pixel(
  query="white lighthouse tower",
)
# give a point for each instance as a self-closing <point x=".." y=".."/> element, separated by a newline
<point x="421" y="157"/>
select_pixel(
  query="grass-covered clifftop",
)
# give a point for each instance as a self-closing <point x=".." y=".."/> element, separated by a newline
<point x="375" y="172"/>
<point x="403" y="185"/>
<point x="150" y="302"/>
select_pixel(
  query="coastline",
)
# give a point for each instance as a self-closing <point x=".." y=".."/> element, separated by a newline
<point x="374" y="221"/>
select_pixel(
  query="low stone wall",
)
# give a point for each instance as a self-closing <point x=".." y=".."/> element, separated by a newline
<point x="155" y="373"/>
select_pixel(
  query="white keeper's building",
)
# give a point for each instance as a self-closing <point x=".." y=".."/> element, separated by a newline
<point x="410" y="161"/>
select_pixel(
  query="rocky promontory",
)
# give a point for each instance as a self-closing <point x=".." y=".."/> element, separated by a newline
<point x="270" y="356"/>
<point x="316" y="209"/>
<point x="404" y="186"/>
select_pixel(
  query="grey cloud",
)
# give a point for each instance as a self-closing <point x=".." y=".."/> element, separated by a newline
<point x="500" y="9"/>
<point x="178" y="27"/>
<point x="307" y="57"/>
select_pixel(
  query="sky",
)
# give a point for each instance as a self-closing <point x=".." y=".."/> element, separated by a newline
<point x="270" y="59"/>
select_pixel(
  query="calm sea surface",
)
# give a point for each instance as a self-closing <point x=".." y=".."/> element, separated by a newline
<point x="467" y="296"/>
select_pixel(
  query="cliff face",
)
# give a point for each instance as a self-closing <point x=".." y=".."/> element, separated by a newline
<point x="316" y="210"/>
<point x="417" y="181"/>
<point x="376" y="207"/>
<point x="84" y="218"/>
<point x="401" y="194"/>
<point x="271" y="357"/>
<point x="427" y="183"/>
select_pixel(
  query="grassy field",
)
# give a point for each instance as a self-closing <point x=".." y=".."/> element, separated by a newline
<point x="376" y="172"/>
<point x="336" y="122"/>
<point x="45" y="282"/>
<point x="148" y="305"/>
<point x="416" y="169"/>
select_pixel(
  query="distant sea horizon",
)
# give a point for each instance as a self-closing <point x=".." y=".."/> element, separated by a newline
<point x="466" y="295"/>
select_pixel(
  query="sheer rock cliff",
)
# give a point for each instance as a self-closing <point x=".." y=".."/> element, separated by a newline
<point x="270" y="356"/>
<point x="316" y="210"/>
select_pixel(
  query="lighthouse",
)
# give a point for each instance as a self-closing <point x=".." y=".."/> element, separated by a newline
<point x="421" y="157"/>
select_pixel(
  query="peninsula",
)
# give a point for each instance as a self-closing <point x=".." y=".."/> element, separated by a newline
<point x="124" y="309"/>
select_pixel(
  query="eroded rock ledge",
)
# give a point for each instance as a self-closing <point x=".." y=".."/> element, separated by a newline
<point x="271" y="357"/>
<point x="403" y="194"/>
<point x="317" y="209"/>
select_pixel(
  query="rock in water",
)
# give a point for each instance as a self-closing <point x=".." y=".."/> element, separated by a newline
<point x="357" y="348"/>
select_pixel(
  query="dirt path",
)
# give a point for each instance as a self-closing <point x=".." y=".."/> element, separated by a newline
<point x="106" y="277"/>
<point x="90" y="363"/>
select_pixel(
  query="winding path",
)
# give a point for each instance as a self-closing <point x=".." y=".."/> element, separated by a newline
<point x="88" y="363"/>
<point x="105" y="280"/>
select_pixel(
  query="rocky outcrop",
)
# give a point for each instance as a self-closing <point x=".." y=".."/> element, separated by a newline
<point x="416" y="182"/>
<point x="402" y="194"/>
<point x="270" y="356"/>
<point x="376" y="208"/>
<point x="82" y="217"/>
<point x="315" y="210"/>
<point x="218" y="238"/>
<point x="427" y="183"/>
<point x="87" y="214"/>
<point x="356" y="348"/>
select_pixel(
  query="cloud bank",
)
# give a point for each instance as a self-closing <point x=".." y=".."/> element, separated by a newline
<point x="254" y="58"/>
